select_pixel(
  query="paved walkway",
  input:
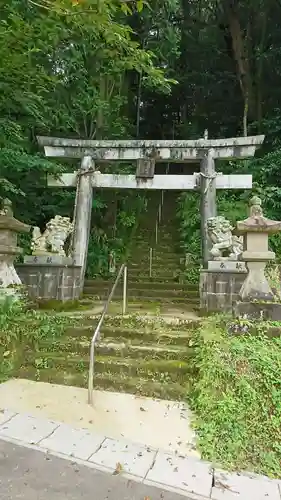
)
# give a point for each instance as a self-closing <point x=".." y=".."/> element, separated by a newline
<point x="186" y="476"/>
<point x="113" y="414"/>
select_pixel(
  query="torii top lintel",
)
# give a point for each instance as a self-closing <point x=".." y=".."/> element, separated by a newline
<point x="162" y="151"/>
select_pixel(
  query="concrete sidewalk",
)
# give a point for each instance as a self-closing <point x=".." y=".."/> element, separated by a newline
<point x="30" y="475"/>
<point x="145" y="466"/>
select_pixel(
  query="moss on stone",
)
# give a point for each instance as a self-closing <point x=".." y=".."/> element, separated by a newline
<point x="60" y="306"/>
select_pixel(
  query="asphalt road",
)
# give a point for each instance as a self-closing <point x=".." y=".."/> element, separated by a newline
<point x="27" y="474"/>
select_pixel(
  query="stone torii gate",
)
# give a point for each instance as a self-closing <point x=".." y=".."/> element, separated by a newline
<point x="146" y="154"/>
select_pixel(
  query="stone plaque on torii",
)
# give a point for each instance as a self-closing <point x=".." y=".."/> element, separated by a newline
<point x="146" y="154"/>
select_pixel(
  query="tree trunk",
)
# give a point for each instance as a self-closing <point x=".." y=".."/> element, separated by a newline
<point x="241" y="57"/>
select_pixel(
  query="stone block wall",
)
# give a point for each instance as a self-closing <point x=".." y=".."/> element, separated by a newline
<point x="219" y="290"/>
<point x="51" y="282"/>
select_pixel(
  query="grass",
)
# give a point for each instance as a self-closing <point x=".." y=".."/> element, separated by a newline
<point x="237" y="397"/>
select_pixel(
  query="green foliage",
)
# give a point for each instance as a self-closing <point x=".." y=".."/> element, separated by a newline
<point x="22" y="329"/>
<point x="64" y="66"/>
<point x="237" y="396"/>
<point x="188" y="215"/>
<point x="113" y="239"/>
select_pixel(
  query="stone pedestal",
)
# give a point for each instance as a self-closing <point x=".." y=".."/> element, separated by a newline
<point x="220" y="285"/>
<point x="261" y="311"/>
<point x="51" y="277"/>
<point x="9" y="227"/>
<point x="48" y="273"/>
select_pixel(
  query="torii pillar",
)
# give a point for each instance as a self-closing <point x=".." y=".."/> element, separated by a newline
<point x="208" y="200"/>
<point x="82" y="214"/>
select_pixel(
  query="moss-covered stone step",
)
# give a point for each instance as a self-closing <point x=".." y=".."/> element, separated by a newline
<point x="164" y="234"/>
<point x="118" y="348"/>
<point x="164" y="389"/>
<point x="166" y="300"/>
<point x="181" y="338"/>
<point x="107" y="347"/>
<point x="168" y="266"/>
<point x="188" y="287"/>
<point x="156" y="277"/>
<point x="163" y="273"/>
<point x="164" y="292"/>
<point x="107" y="381"/>
<point x="157" y="257"/>
<point x="135" y="323"/>
<point x="174" y="370"/>
<point x="156" y="300"/>
<point x="191" y="289"/>
<point x="164" y="252"/>
<point x="136" y="288"/>
<point x="144" y="292"/>
<point x="164" y="249"/>
<point x="147" y="234"/>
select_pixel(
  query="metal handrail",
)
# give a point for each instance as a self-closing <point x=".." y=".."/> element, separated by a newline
<point x="96" y="336"/>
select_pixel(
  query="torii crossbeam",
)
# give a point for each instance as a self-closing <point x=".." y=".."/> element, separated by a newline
<point x="146" y="154"/>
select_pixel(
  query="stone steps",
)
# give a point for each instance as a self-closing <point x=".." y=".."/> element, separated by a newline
<point x="174" y="369"/>
<point x="141" y="356"/>
<point x="151" y="358"/>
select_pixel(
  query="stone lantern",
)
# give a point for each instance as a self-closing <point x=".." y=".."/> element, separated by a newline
<point x="256" y="290"/>
<point x="9" y="227"/>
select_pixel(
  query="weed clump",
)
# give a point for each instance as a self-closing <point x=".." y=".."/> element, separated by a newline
<point x="21" y="331"/>
<point x="237" y="397"/>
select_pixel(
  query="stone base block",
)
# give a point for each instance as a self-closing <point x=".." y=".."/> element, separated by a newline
<point x="219" y="290"/>
<point x="258" y="310"/>
<point x="51" y="281"/>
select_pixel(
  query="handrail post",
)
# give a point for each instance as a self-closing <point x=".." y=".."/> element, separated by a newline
<point x="125" y="284"/>
<point x="150" y="262"/>
<point x="96" y="336"/>
<point x="91" y="373"/>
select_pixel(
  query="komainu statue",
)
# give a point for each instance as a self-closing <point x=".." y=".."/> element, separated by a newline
<point x="52" y="240"/>
<point x="226" y="246"/>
